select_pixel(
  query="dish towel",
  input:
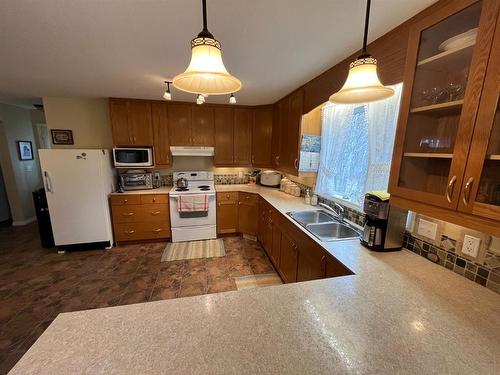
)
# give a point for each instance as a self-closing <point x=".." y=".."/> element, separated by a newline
<point x="192" y="203"/>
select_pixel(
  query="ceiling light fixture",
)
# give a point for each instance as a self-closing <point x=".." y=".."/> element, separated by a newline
<point x="362" y="84"/>
<point x="200" y="99"/>
<point x="232" y="99"/>
<point x="167" y="95"/>
<point x="206" y="72"/>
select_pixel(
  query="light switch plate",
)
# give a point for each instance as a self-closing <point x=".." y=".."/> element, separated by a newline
<point x="471" y="246"/>
<point x="427" y="229"/>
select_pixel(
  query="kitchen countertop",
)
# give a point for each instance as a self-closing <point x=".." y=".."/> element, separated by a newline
<point x="160" y="190"/>
<point x="399" y="313"/>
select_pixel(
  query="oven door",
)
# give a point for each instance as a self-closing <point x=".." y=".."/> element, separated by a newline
<point x="133" y="157"/>
<point x="188" y="219"/>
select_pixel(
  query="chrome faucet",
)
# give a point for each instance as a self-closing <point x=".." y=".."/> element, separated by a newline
<point x="337" y="209"/>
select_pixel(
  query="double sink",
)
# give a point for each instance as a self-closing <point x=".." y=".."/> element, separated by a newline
<point x="324" y="225"/>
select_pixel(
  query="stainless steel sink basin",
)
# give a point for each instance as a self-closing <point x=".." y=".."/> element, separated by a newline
<point x="332" y="231"/>
<point x="305" y="218"/>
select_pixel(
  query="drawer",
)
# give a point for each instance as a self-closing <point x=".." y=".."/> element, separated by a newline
<point x="227" y="196"/>
<point x="123" y="199"/>
<point x="154" y="198"/>
<point x="141" y="231"/>
<point x="141" y="213"/>
<point x="248" y="198"/>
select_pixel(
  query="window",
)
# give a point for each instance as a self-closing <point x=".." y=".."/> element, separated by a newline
<point x="356" y="148"/>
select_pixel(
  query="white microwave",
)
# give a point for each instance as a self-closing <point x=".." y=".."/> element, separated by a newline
<point x="124" y="157"/>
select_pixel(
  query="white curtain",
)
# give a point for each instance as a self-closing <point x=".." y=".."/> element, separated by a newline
<point x="356" y="148"/>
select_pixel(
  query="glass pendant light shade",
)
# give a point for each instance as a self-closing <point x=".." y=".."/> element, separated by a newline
<point x="206" y="72"/>
<point x="362" y="84"/>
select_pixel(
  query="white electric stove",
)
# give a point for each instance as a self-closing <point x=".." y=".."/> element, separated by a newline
<point x="193" y="226"/>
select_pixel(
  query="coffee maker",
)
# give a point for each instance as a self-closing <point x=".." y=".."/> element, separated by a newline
<point x="384" y="224"/>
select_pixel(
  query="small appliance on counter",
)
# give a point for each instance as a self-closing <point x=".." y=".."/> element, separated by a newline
<point x="384" y="224"/>
<point x="269" y="178"/>
<point x="136" y="179"/>
<point x="128" y="157"/>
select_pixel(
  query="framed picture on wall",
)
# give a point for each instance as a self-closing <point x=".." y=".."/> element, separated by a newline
<point x="62" y="137"/>
<point x="25" y="149"/>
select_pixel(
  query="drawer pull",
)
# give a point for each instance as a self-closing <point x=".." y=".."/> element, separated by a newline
<point x="125" y="200"/>
<point x="154" y="199"/>
<point x="129" y="231"/>
<point x="227" y="196"/>
<point x="157" y="230"/>
<point x="127" y="214"/>
<point x="155" y="213"/>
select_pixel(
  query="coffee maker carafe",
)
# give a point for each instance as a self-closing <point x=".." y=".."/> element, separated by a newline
<point x="384" y="224"/>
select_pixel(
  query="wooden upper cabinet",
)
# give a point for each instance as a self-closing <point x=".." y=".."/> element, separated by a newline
<point x="131" y="122"/>
<point x="140" y="123"/>
<point x="263" y="136"/>
<point x="243" y="137"/>
<point x="179" y="124"/>
<point x="275" y="142"/>
<point x="160" y="134"/>
<point x="224" y="136"/>
<point x="118" y="114"/>
<point x="443" y="86"/>
<point x="480" y="193"/>
<point x="202" y="126"/>
<point x="294" y="122"/>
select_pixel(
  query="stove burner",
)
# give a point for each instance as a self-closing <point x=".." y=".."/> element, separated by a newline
<point x="204" y="187"/>
<point x="182" y="189"/>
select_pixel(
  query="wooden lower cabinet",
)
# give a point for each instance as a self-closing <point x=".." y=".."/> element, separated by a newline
<point x="289" y="257"/>
<point x="227" y="212"/>
<point x="140" y="217"/>
<point x="248" y="211"/>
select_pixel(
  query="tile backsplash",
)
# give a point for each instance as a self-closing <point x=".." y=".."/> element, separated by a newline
<point x="220" y="179"/>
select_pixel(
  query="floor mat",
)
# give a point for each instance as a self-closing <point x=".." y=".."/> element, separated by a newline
<point x="193" y="250"/>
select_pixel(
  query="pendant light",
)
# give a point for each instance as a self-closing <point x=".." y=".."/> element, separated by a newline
<point x="362" y="84"/>
<point x="167" y="95"/>
<point x="206" y="72"/>
<point x="232" y="99"/>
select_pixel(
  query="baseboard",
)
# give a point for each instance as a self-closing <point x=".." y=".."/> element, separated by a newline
<point x="19" y="223"/>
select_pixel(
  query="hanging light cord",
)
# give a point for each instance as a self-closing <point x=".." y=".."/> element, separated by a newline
<point x="205" y="33"/>
<point x="365" y="36"/>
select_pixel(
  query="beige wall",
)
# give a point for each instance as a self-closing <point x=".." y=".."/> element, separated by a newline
<point x="20" y="177"/>
<point x="88" y="118"/>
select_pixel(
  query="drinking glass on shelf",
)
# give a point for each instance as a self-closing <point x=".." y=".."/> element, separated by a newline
<point x="456" y="91"/>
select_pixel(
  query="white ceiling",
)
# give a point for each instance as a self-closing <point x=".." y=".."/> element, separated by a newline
<point x="126" y="48"/>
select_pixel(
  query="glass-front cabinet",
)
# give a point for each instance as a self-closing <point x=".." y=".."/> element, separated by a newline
<point x="443" y="89"/>
<point x="480" y="193"/>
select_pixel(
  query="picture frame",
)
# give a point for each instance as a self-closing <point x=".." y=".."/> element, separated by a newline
<point x="25" y="150"/>
<point x="62" y="136"/>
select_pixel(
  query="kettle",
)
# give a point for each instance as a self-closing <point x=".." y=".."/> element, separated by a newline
<point x="181" y="183"/>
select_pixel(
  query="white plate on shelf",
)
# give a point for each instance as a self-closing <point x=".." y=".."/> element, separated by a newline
<point x="459" y="41"/>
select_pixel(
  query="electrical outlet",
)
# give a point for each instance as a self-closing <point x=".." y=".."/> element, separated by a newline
<point x="427" y="229"/>
<point x="471" y="246"/>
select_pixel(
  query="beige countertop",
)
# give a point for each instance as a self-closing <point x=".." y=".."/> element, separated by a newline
<point x="399" y="313"/>
<point x="160" y="190"/>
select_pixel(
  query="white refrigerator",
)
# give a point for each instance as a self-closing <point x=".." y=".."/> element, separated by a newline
<point x="77" y="185"/>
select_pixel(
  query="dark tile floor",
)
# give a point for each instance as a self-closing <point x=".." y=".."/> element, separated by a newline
<point x="36" y="284"/>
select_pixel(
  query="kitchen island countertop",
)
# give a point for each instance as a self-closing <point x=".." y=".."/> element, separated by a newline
<point x="398" y="313"/>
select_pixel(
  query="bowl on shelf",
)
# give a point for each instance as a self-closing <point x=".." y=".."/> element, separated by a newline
<point x="459" y="41"/>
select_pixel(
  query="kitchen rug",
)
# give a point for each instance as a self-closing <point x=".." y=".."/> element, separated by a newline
<point x="257" y="281"/>
<point x="193" y="250"/>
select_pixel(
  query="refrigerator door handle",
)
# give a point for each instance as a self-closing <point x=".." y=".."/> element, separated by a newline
<point x="48" y="183"/>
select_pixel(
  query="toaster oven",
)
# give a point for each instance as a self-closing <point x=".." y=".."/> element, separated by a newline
<point x="136" y="180"/>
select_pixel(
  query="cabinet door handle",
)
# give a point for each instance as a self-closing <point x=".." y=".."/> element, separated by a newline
<point x="130" y="232"/>
<point x="127" y="214"/>
<point x="277" y="160"/>
<point x="450" y="188"/>
<point x="323" y="263"/>
<point x="157" y="230"/>
<point x="155" y="213"/>
<point x="296" y="163"/>
<point x="466" y="194"/>
<point x="154" y="199"/>
<point x="135" y="139"/>
<point x="125" y="200"/>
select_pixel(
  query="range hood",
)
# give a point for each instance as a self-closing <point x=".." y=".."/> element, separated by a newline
<point x="191" y="151"/>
